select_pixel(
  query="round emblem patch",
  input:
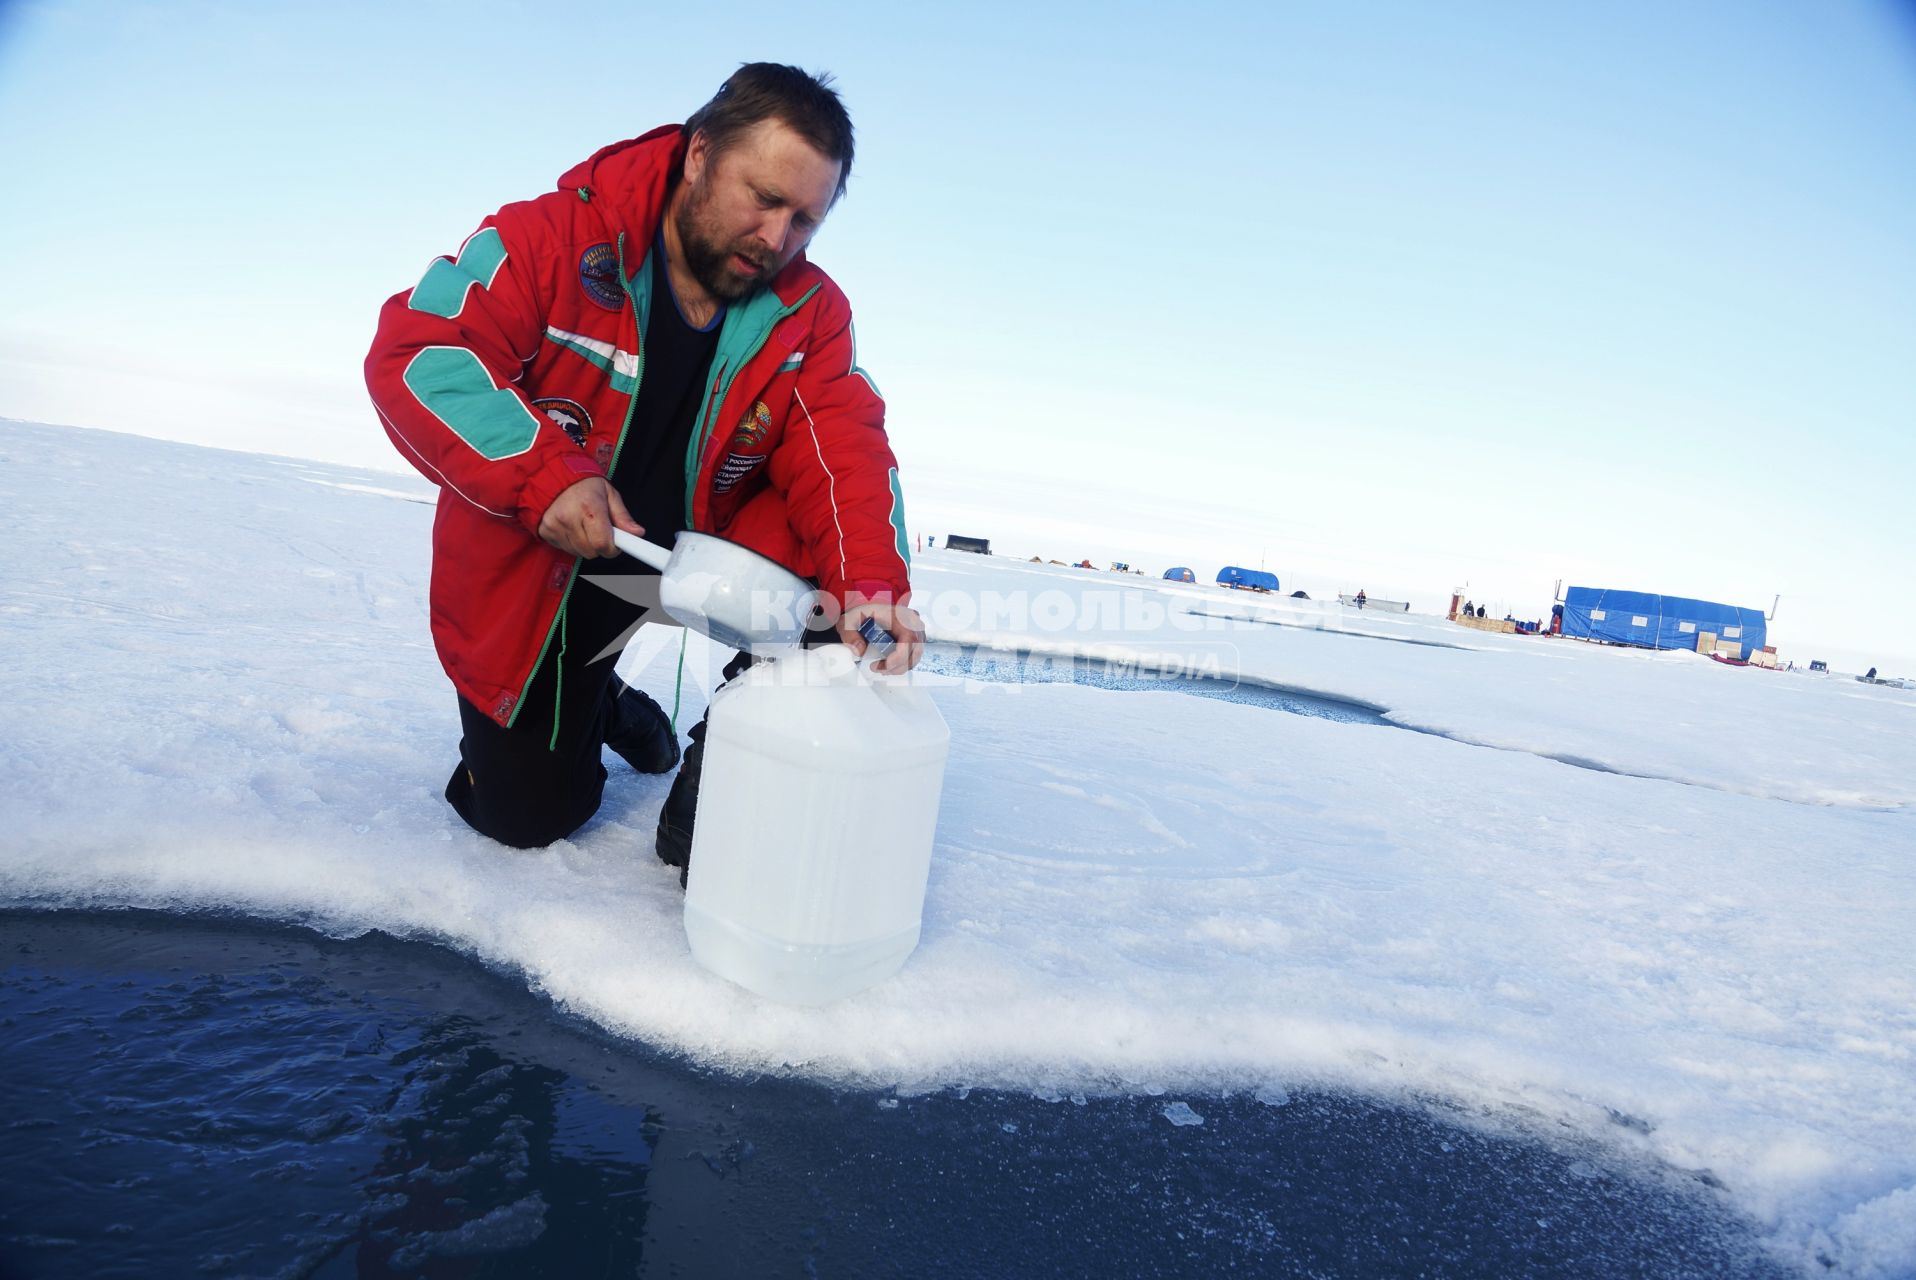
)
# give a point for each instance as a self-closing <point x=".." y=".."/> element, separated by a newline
<point x="569" y="414"/>
<point x="599" y="277"/>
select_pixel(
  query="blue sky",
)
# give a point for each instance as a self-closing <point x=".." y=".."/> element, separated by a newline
<point x="1401" y="296"/>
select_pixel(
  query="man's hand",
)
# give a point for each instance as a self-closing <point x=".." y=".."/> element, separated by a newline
<point x="581" y="519"/>
<point x="904" y="624"/>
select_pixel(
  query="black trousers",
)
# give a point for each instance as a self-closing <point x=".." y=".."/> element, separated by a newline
<point x="543" y="778"/>
<point x="520" y="788"/>
<point x="529" y="785"/>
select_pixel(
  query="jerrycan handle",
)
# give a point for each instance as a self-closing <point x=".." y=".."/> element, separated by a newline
<point x="878" y="641"/>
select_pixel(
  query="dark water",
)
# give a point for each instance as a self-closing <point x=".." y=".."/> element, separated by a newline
<point x="191" y="1097"/>
<point x="1017" y="667"/>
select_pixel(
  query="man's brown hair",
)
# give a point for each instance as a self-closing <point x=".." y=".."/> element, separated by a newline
<point x="804" y="102"/>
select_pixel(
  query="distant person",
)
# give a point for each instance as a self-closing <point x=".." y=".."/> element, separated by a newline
<point x="1360" y="597"/>
<point x="931" y="540"/>
<point x="556" y="380"/>
<point x="1480" y="611"/>
<point x="1470" y="610"/>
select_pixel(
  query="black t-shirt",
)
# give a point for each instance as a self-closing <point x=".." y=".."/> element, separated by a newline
<point x="650" y="478"/>
<point x="650" y="473"/>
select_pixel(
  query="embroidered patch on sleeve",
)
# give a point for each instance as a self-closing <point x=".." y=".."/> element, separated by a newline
<point x="569" y="414"/>
<point x="599" y="277"/>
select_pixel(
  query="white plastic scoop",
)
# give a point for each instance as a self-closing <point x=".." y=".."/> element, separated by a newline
<point x="731" y="593"/>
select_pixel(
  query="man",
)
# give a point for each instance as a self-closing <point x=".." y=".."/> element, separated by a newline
<point x="646" y="348"/>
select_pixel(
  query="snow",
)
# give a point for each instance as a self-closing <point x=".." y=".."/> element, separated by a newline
<point x="1689" y="945"/>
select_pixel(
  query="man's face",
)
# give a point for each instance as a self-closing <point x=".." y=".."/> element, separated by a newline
<point x="746" y="212"/>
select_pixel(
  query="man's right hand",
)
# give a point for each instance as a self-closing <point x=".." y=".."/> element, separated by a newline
<point x="580" y="520"/>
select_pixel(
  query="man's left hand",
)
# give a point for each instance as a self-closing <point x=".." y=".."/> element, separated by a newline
<point x="904" y="624"/>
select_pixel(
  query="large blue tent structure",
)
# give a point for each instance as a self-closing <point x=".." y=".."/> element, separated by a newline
<point x="1657" y="622"/>
<point x="1246" y="579"/>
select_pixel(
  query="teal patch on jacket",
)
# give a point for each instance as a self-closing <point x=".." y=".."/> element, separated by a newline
<point x="455" y="388"/>
<point x="898" y="517"/>
<point x="442" y="290"/>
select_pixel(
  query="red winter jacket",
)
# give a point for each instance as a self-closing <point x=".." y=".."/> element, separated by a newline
<point x="507" y="374"/>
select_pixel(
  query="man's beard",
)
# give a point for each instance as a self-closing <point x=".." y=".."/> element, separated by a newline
<point x="711" y="262"/>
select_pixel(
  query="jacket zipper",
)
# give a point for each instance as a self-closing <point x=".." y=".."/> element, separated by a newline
<point x="618" y="446"/>
<point x="718" y="392"/>
<point x="638" y="368"/>
<point x="713" y="403"/>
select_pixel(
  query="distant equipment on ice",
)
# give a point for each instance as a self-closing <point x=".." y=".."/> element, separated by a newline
<point x="1663" y="622"/>
<point x="1246" y="579"/>
<point x="959" y="542"/>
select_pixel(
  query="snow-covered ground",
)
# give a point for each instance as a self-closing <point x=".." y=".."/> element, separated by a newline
<point x="220" y="694"/>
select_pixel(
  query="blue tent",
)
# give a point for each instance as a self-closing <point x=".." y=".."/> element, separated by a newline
<point x="1657" y="622"/>
<point x="1180" y="574"/>
<point x="1246" y="579"/>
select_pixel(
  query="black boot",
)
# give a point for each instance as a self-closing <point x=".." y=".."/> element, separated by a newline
<point x="681" y="808"/>
<point x="639" y="730"/>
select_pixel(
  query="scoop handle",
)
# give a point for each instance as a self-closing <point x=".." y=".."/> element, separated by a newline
<point x="638" y="548"/>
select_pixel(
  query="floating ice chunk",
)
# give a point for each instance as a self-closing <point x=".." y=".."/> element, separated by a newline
<point x="1877" y="1238"/>
<point x="1272" y="1095"/>
<point x="510" y="1226"/>
<point x="1180" y="1114"/>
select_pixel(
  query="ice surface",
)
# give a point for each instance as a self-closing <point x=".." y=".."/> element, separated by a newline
<point x="220" y="695"/>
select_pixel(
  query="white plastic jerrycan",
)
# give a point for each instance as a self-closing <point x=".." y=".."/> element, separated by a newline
<point x="816" y="812"/>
